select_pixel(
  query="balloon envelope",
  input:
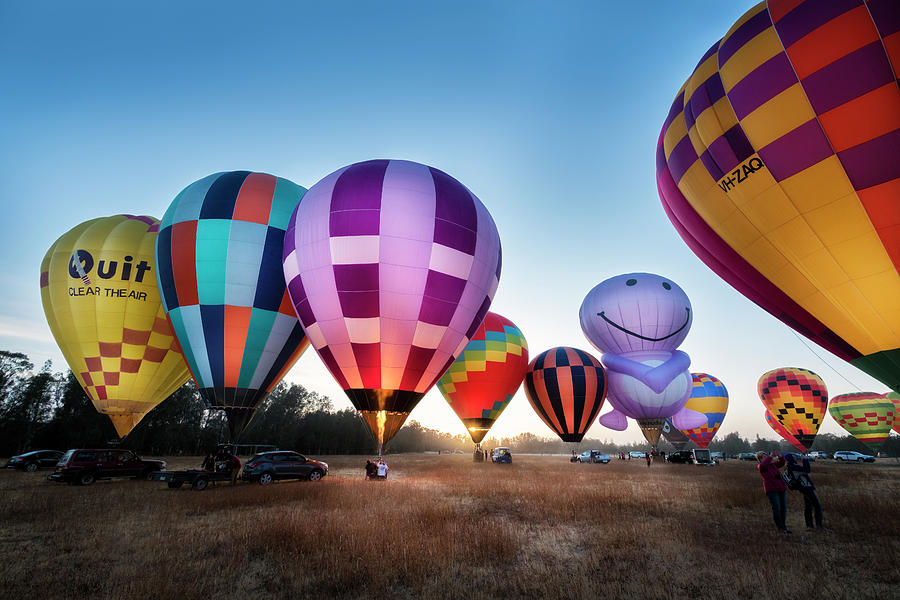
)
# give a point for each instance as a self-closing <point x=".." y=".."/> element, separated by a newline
<point x="219" y="255"/>
<point x="895" y="398"/>
<point x="867" y="416"/>
<point x="784" y="433"/>
<point x="480" y="384"/>
<point x="776" y="165"/>
<point x="675" y="436"/>
<point x="708" y="396"/>
<point x="98" y="288"/>
<point x="391" y="267"/>
<point x="566" y="388"/>
<point x="797" y="398"/>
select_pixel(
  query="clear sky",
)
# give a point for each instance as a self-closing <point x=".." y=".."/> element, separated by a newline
<point x="549" y="112"/>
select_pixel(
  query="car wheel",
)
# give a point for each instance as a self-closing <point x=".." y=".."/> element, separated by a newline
<point x="87" y="478"/>
<point x="200" y="484"/>
<point x="31" y="467"/>
<point x="266" y="479"/>
<point x="147" y="475"/>
<point x="315" y="476"/>
<point x="859" y="460"/>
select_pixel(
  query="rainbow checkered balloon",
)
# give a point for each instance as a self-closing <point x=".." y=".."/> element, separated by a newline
<point x="797" y="398"/>
<point x="867" y="416"/>
<point x="708" y="396"/>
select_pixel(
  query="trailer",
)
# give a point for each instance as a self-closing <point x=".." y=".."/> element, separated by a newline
<point x="197" y="479"/>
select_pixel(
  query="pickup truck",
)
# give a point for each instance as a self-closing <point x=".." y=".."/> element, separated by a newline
<point x="86" y="466"/>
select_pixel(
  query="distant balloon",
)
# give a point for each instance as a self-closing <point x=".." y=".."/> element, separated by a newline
<point x="391" y="267"/>
<point x="777" y="165"/>
<point x="675" y="436"/>
<point x="638" y="320"/>
<point x="98" y="288"/>
<point x="708" y="396"/>
<point x="784" y="433"/>
<point x="895" y="398"/>
<point x="219" y="256"/>
<point x="480" y="384"/>
<point x="797" y="398"/>
<point x="867" y="416"/>
<point x="566" y="388"/>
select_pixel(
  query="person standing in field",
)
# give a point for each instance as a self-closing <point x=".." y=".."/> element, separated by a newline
<point x="382" y="469"/>
<point x="811" y="505"/>
<point x="647" y="456"/>
<point x="234" y="466"/>
<point x="773" y="484"/>
<point x="371" y="469"/>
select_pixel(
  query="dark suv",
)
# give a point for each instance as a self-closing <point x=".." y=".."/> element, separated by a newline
<point x="87" y="466"/>
<point x="266" y="467"/>
<point x="685" y="457"/>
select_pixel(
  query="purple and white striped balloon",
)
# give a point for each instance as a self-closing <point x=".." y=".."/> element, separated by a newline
<point x="391" y="266"/>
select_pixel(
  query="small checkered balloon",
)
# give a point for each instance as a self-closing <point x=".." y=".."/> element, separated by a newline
<point x="391" y="266"/>
<point x="709" y="397"/>
<point x="480" y="384"/>
<point x="98" y="288"/>
<point x="867" y="416"/>
<point x="797" y="398"/>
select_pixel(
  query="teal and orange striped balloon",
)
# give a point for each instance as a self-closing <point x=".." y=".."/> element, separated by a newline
<point x="708" y="396"/>
<point x="778" y="165"/>
<point x="867" y="416"/>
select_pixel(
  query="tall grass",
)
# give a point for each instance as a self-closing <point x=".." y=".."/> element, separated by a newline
<point x="443" y="527"/>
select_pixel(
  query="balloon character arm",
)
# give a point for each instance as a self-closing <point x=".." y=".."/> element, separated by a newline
<point x="656" y="378"/>
<point x="614" y="419"/>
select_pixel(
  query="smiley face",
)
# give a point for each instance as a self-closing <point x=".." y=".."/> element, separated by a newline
<point x="636" y="311"/>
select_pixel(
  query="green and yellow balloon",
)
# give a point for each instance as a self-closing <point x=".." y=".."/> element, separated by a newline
<point x="867" y="416"/>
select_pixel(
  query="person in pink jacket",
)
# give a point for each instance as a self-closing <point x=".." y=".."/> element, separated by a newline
<point x="770" y="469"/>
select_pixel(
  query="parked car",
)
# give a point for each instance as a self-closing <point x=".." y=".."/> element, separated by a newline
<point x="32" y="461"/>
<point x="747" y="456"/>
<point x="501" y="455"/>
<point x="817" y="454"/>
<point x="636" y="454"/>
<point x="850" y="455"/>
<point x="267" y="467"/>
<point x="87" y="466"/>
<point x="717" y="455"/>
<point x="681" y="457"/>
<point x="592" y="456"/>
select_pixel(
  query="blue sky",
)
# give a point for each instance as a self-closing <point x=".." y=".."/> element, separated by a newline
<point x="549" y="112"/>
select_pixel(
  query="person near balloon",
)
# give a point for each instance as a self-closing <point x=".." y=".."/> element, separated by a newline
<point x="811" y="505"/>
<point x="209" y="463"/>
<point x="371" y="469"/>
<point x="647" y="456"/>
<point x="382" y="469"/>
<point x="773" y="484"/>
<point x="234" y="467"/>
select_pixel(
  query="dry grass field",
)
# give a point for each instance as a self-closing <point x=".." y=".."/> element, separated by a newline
<point x="443" y="527"/>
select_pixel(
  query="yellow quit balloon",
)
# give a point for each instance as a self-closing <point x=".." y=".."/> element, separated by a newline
<point x="98" y="288"/>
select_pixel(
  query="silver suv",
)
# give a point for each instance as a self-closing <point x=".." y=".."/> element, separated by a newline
<point x="850" y="455"/>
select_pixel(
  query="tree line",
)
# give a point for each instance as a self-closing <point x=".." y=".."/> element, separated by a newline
<point x="41" y="409"/>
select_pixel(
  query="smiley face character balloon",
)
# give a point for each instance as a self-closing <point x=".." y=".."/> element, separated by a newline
<point x="638" y="320"/>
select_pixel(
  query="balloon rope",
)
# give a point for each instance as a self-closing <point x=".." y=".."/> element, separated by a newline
<point x="808" y="347"/>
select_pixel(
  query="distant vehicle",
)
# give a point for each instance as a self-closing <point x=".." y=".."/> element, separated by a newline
<point x="681" y="457"/>
<point x="850" y="455"/>
<point x="816" y="454"/>
<point x="702" y="457"/>
<point x="717" y="455"/>
<point x="267" y="467"/>
<point x="501" y="455"/>
<point x="636" y="454"/>
<point x="37" y="459"/>
<point x="87" y="466"/>
<point x="747" y="456"/>
<point x="592" y="456"/>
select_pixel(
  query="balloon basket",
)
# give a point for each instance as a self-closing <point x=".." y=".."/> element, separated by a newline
<point x="652" y="429"/>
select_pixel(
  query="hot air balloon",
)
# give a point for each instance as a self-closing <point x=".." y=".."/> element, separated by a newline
<point x="895" y="398"/>
<point x="777" y="166"/>
<point x="566" y="388"/>
<point x="675" y="436"/>
<point x="638" y="320"/>
<point x="784" y="433"/>
<point x="708" y="396"/>
<point x="797" y="398"/>
<point x="480" y="384"/>
<point x="98" y="288"/>
<point x="219" y="256"/>
<point x="865" y="415"/>
<point x="391" y="267"/>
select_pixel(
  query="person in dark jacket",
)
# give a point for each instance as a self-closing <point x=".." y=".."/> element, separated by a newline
<point x="371" y="469"/>
<point x="773" y="484"/>
<point x="209" y="463"/>
<point x="811" y="504"/>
